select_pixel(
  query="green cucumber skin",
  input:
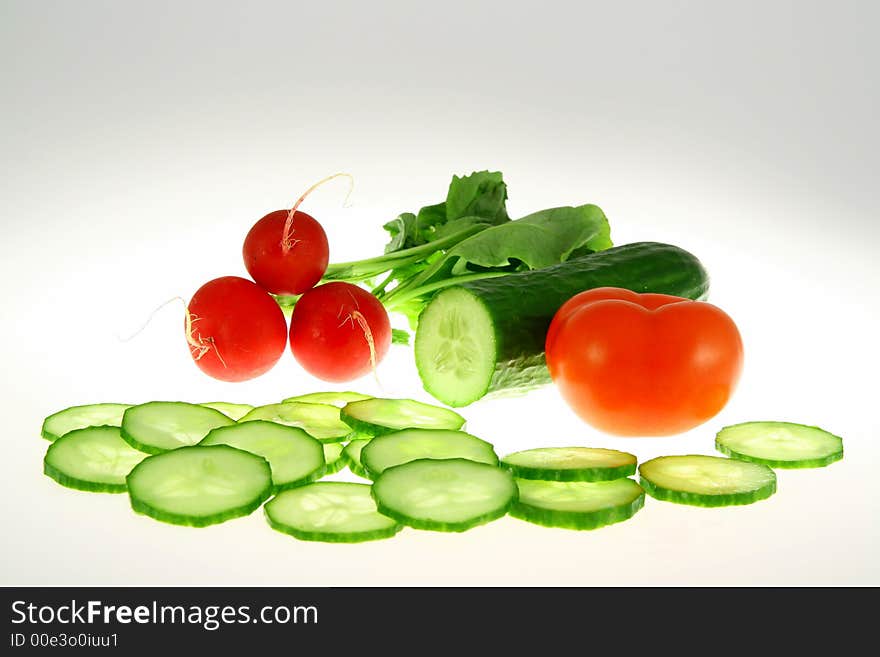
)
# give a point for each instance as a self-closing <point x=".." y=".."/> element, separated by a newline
<point x="523" y="304"/>
<point x="582" y="474"/>
<point x="363" y="428"/>
<point x="709" y="501"/>
<point x="432" y="525"/>
<point x="575" y="520"/>
<point x="80" y="484"/>
<point x="332" y="537"/>
<point x="201" y="521"/>
<point x="787" y="465"/>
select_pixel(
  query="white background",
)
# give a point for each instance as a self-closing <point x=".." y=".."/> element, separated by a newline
<point x="140" y="141"/>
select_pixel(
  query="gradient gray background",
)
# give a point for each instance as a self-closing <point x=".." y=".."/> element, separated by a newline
<point x="139" y="141"/>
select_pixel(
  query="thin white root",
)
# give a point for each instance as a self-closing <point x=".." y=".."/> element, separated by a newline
<point x="287" y="240"/>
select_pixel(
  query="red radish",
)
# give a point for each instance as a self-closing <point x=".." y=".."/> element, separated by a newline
<point x="286" y="251"/>
<point x="339" y="331"/>
<point x="235" y="329"/>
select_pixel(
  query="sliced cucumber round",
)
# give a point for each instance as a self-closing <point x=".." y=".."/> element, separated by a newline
<point x="94" y="459"/>
<point x="571" y="464"/>
<point x="400" y="447"/>
<point x="455" y="347"/>
<point x="157" y="427"/>
<point x="780" y="444"/>
<point x="376" y="416"/>
<point x="338" y="399"/>
<point x="329" y="511"/>
<point x="333" y="461"/>
<point x="320" y="421"/>
<point x="80" y="417"/>
<point x="352" y="457"/>
<point x="451" y="495"/>
<point x="230" y="410"/>
<point x="577" y="504"/>
<point x="199" y="485"/>
<point x="294" y="456"/>
<point x="706" y="480"/>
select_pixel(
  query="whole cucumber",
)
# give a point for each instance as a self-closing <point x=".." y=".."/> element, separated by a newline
<point x="487" y="336"/>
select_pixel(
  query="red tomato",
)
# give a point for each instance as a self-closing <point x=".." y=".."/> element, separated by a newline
<point x="288" y="264"/>
<point x="643" y="364"/>
<point x="339" y="331"/>
<point x="235" y="330"/>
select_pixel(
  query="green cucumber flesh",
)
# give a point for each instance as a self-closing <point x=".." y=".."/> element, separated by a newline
<point x="571" y="464"/>
<point x="229" y="409"/>
<point x="199" y="485"/>
<point x="487" y="336"/>
<point x="329" y="511"/>
<point x="157" y="427"/>
<point x="352" y="456"/>
<point x="80" y="417"/>
<point x="450" y="495"/>
<point x="320" y="421"/>
<point x="780" y="444"/>
<point x="293" y="455"/>
<point x="710" y="481"/>
<point x="376" y="416"/>
<point x="338" y="399"/>
<point x="94" y="459"/>
<point x="401" y="447"/>
<point x="333" y="461"/>
<point x="577" y="504"/>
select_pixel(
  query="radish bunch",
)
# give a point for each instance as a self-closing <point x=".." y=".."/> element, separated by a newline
<point x="236" y="330"/>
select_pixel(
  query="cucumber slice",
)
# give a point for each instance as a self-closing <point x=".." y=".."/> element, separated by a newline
<point x="293" y="455"/>
<point x="333" y="461"/>
<point x="400" y="447"/>
<point x="338" y="399"/>
<point x="329" y="511"/>
<point x="352" y="457"/>
<point x="230" y="410"/>
<point x="375" y="417"/>
<point x="577" y="504"/>
<point x="320" y="421"/>
<point x="94" y="459"/>
<point x="157" y="427"/>
<point x="706" y="480"/>
<point x="199" y="485"/>
<point x="80" y="417"/>
<point x="780" y="444"/>
<point x="451" y="495"/>
<point x="571" y="464"/>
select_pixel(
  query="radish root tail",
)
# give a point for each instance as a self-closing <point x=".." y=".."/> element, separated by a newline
<point x="368" y="334"/>
<point x="287" y="241"/>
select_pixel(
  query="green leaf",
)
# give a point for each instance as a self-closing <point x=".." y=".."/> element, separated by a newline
<point x="477" y="199"/>
<point x="399" y="336"/>
<point x="539" y="240"/>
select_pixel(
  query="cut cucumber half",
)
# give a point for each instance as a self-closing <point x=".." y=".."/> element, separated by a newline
<point x="157" y="427"/>
<point x="706" y="480"/>
<point x="199" y="485"/>
<point x="375" y="417"/>
<point x="577" y="504"/>
<point x="329" y="511"/>
<point x="230" y="410"/>
<point x="780" y="444"/>
<point x="571" y="464"/>
<point x="94" y="459"/>
<point x="293" y="455"/>
<point x="401" y="447"/>
<point x="338" y="399"/>
<point x="352" y="457"/>
<point x="451" y="495"/>
<point x="455" y="347"/>
<point x="333" y="461"/>
<point x="320" y="421"/>
<point x="80" y="417"/>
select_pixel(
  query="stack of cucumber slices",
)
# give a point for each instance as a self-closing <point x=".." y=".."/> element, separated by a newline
<point x="201" y="464"/>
